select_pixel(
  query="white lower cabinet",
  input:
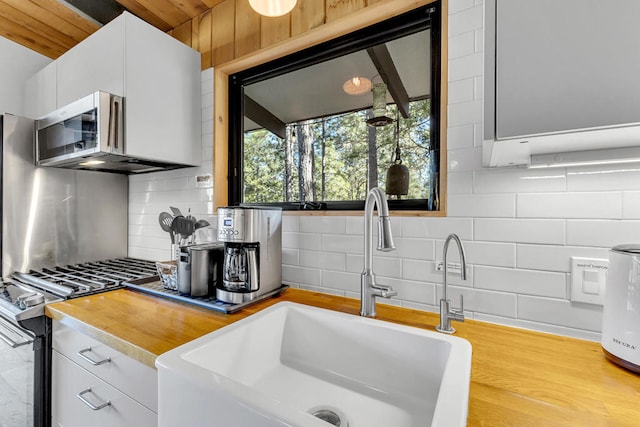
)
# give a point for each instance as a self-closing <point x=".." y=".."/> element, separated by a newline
<point x="96" y="385"/>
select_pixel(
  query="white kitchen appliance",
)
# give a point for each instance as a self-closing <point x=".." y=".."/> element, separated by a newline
<point x="621" y="317"/>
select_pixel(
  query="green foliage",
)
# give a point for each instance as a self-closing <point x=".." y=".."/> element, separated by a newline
<point x="344" y="139"/>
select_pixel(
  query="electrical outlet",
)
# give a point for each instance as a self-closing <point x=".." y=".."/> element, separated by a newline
<point x="204" y="181"/>
<point x="588" y="280"/>
<point x="452" y="267"/>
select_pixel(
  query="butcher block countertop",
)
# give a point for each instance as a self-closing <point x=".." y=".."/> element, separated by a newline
<point x="518" y="377"/>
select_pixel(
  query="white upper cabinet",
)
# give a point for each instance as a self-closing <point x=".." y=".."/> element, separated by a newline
<point x="560" y="76"/>
<point x="40" y="91"/>
<point x="96" y="63"/>
<point x="158" y="76"/>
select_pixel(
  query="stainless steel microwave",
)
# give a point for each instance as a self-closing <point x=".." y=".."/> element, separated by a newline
<point x="85" y="132"/>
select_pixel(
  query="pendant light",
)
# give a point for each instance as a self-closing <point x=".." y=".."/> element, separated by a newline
<point x="273" y="8"/>
<point x="397" y="174"/>
<point x="379" y="107"/>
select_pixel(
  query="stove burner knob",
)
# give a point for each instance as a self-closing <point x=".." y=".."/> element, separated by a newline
<point x="30" y="299"/>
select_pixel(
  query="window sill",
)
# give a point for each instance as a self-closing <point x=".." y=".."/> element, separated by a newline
<point x="360" y="213"/>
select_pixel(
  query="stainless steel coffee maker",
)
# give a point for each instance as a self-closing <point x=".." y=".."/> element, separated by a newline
<point x="252" y="264"/>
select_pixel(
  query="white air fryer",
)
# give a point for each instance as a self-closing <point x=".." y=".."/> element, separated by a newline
<point x="621" y="316"/>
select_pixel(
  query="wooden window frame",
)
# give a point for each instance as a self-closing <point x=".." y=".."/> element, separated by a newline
<point x="363" y="18"/>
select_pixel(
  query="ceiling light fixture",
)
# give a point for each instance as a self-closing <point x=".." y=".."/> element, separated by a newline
<point x="357" y="86"/>
<point x="273" y="8"/>
<point x="379" y="107"/>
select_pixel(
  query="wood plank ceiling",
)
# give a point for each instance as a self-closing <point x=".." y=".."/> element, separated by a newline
<point x="51" y="28"/>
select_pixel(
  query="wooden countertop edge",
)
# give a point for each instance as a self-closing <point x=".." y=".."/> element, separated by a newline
<point x="123" y="346"/>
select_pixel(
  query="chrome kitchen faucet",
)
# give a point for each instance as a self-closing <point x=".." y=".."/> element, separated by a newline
<point x="447" y="314"/>
<point x="369" y="289"/>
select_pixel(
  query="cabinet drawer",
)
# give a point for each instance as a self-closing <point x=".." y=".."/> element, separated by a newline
<point x="121" y="371"/>
<point x="70" y="380"/>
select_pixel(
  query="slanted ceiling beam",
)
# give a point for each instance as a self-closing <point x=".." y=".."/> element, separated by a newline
<point x="264" y="117"/>
<point x="102" y="11"/>
<point x="381" y="58"/>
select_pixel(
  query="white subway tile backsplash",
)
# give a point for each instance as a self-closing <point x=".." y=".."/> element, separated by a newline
<point x="459" y="5"/>
<point x="418" y="270"/>
<point x="431" y="308"/>
<point x="459" y="137"/>
<point x="206" y="80"/>
<point x="461" y="91"/>
<point x="467" y="19"/>
<point x="631" y="205"/>
<point x="544" y="231"/>
<point x="323" y="260"/>
<point x="478" y="88"/>
<point x="530" y="282"/>
<point x="465" y="67"/>
<point x="478" y="300"/>
<point x="465" y="160"/>
<point x="560" y="312"/>
<point x="350" y="244"/>
<point x="604" y="178"/>
<point x="483" y="253"/>
<point x="301" y="275"/>
<point x="290" y="256"/>
<point x="465" y="112"/>
<point x="207" y="114"/>
<point x="349" y="282"/>
<point x="291" y="240"/>
<point x="601" y="233"/>
<point x="290" y="223"/>
<point x="460" y="183"/>
<point x="420" y="292"/>
<point x="570" y="205"/>
<point x="437" y="228"/>
<point x="322" y="224"/>
<point x="554" y="258"/>
<point x="482" y="205"/>
<point x="383" y="267"/>
<point x="425" y="271"/>
<point x="142" y="230"/>
<point x="321" y="289"/>
<point x="408" y="248"/>
<point x="517" y="181"/>
<point x="538" y="326"/>
<point x="151" y="254"/>
<point x="462" y="45"/>
<point x="479" y="38"/>
<point x="355" y="225"/>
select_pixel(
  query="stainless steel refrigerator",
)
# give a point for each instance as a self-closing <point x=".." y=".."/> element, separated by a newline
<point x="50" y="217"/>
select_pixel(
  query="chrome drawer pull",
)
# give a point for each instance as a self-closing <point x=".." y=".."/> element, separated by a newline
<point x="81" y="353"/>
<point x="89" y="404"/>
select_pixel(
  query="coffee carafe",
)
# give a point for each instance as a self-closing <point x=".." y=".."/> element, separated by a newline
<point x="252" y="252"/>
<point x="241" y="271"/>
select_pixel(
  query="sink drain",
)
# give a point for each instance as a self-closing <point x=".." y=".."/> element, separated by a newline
<point x="329" y="415"/>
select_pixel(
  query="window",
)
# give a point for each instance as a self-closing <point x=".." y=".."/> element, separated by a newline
<point x="307" y="132"/>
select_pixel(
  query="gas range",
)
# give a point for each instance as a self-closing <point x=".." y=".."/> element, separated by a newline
<point x="24" y="295"/>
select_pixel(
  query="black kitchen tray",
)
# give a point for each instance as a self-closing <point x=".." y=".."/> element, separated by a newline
<point x="153" y="285"/>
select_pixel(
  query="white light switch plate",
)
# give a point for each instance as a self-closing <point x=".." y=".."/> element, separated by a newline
<point x="588" y="279"/>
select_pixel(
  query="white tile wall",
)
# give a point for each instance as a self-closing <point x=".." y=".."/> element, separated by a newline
<point x="150" y="194"/>
<point x="520" y="227"/>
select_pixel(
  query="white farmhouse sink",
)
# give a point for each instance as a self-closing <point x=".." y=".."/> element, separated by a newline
<point x="278" y="366"/>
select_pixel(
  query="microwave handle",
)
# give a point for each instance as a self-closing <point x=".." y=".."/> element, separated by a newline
<point x="114" y="141"/>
